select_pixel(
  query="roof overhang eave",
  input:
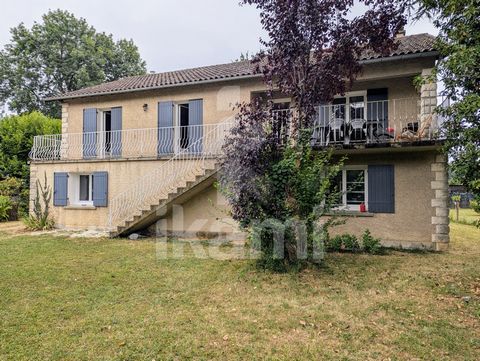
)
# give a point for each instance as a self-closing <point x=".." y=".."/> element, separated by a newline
<point x="426" y="54"/>
<point x="252" y="76"/>
<point x="201" y="82"/>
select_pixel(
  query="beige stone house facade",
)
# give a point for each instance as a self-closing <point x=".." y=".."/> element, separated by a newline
<point x="141" y="152"/>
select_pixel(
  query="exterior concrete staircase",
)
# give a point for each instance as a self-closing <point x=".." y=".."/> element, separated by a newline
<point x="175" y="180"/>
<point x="187" y="188"/>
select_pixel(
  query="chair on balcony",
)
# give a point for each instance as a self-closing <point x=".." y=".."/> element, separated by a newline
<point x="357" y="130"/>
<point x="424" y="132"/>
<point x="337" y="130"/>
<point x="321" y="131"/>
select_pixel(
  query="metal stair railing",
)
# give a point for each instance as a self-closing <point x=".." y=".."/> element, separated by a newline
<point x="168" y="177"/>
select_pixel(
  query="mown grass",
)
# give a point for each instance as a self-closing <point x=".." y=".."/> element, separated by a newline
<point x="466" y="216"/>
<point x="79" y="299"/>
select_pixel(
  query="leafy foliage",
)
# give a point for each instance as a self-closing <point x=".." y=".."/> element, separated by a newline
<point x="5" y="207"/>
<point x="274" y="187"/>
<point x="313" y="46"/>
<point x="349" y="242"/>
<point x="10" y="187"/>
<point x="459" y="46"/>
<point x="17" y="192"/>
<point x="370" y="244"/>
<point x="343" y="242"/>
<point x="16" y="139"/>
<point x="60" y="54"/>
<point x="278" y="187"/>
<point x="475" y="205"/>
<point x="40" y="219"/>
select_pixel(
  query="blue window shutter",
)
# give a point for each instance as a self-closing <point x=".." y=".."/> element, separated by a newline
<point x="89" y="135"/>
<point x="116" y="137"/>
<point x="60" y="189"/>
<point x="165" y="128"/>
<point x="381" y="189"/>
<point x="195" y="131"/>
<point x="377" y="110"/>
<point x="100" y="189"/>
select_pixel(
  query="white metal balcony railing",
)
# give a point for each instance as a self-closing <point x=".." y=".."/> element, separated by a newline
<point x="126" y="144"/>
<point x="394" y="120"/>
<point x="385" y="121"/>
<point x="186" y="164"/>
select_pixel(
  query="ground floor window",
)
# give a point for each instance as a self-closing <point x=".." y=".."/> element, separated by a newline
<point x="81" y="189"/>
<point x="352" y="185"/>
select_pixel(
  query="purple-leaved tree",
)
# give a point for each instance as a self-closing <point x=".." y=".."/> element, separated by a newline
<point x="311" y="55"/>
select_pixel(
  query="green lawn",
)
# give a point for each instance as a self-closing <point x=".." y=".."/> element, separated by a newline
<point x="77" y="299"/>
<point x="465" y="216"/>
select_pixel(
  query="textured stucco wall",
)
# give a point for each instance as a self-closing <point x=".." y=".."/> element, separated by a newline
<point x="418" y="202"/>
<point x="121" y="176"/>
<point x="411" y="224"/>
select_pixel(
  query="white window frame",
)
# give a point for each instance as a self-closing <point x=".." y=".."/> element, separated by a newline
<point x="74" y="189"/>
<point x="347" y="97"/>
<point x="352" y="207"/>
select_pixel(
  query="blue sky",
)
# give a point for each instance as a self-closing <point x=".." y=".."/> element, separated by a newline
<point x="170" y="34"/>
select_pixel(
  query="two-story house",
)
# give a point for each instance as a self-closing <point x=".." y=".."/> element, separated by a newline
<point x="145" y="149"/>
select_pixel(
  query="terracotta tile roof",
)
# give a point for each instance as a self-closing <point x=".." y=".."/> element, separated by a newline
<point x="412" y="44"/>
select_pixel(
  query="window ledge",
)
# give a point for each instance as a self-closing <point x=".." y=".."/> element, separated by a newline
<point x="77" y="206"/>
<point x="351" y="214"/>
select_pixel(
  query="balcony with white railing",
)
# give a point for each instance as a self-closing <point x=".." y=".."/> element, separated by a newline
<point x="408" y="120"/>
<point x="123" y="144"/>
<point x="339" y="124"/>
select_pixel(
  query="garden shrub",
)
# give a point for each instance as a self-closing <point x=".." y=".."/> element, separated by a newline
<point x="344" y="242"/>
<point x="335" y="244"/>
<point x="5" y="207"/>
<point x="475" y="205"/>
<point x="15" y="190"/>
<point x="350" y="243"/>
<point x="370" y="244"/>
<point x="16" y="140"/>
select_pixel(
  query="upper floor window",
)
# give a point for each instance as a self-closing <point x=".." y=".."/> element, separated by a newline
<point x="346" y="108"/>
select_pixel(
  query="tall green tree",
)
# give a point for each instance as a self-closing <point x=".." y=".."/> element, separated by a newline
<point x="459" y="70"/>
<point x="62" y="53"/>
